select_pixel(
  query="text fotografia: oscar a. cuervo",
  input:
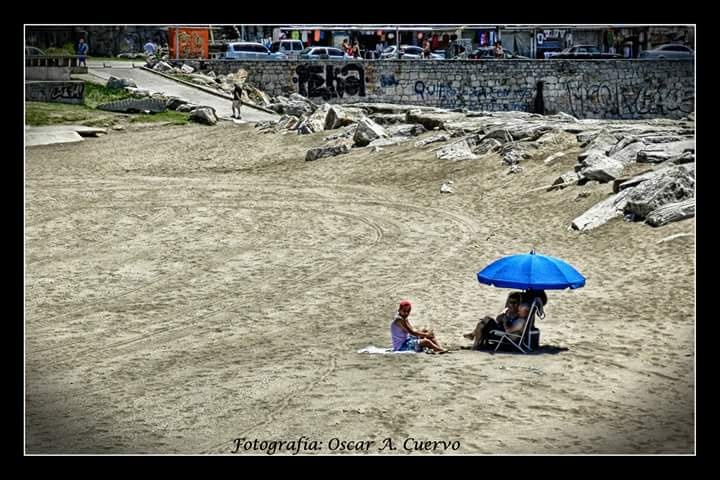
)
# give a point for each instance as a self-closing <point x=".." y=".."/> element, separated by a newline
<point x="307" y="445"/>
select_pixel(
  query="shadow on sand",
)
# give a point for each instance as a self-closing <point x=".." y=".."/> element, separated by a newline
<point x="541" y="350"/>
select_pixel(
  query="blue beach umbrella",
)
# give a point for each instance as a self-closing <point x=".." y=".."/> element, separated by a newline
<point x="531" y="271"/>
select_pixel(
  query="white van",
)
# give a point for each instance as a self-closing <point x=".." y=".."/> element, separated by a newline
<point x="291" y="48"/>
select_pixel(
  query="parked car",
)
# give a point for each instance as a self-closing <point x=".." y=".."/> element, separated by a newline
<point x="33" y="52"/>
<point x="323" y="53"/>
<point x="291" y="48"/>
<point x="668" y="51"/>
<point x="489" y="52"/>
<point x="408" y="52"/>
<point x="583" y="52"/>
<point x="251" y="51"/>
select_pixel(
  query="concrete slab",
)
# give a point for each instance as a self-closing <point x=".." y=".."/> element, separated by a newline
<point x="49" y="134"/>
<point x="33" y="138"/>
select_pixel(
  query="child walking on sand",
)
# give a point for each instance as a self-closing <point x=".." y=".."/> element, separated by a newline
<point x="405" y="337"/>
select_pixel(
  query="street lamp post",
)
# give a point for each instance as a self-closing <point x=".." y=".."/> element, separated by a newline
<point x="397" y="41"/>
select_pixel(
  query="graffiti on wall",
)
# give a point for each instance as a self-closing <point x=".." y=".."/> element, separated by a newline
<point x="330" y="81"/>
<point x="67" y="91"/>
<point x="388" y="80"/>
<point x="62" y="92"/>
<point x="487" y="98"/>
<point x="605" y="100"/>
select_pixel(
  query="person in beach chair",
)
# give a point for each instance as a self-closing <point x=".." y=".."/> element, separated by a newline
<point x="524" y="339"/>
<point x="514" y="326"/>
<point x="510" y="319"/>
<point x="406" y="338"/>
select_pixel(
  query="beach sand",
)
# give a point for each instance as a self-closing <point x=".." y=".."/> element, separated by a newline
<point x="187" y="286"/>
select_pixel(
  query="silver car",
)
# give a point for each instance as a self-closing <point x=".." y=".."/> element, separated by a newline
<point x="668" y="51"/>
<point x="33" y="52"/>
<point x="323" y="53"/>
<point x="409" y="52"/>
<point x="251" y="51"/>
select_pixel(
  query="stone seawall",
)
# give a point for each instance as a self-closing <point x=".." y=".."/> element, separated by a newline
<point x="614" y="89"/>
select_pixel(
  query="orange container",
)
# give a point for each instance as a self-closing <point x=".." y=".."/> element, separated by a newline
<point x="192" y="42"/>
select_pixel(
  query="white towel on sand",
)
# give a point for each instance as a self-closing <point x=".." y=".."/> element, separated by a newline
<point x="380" y="350"/>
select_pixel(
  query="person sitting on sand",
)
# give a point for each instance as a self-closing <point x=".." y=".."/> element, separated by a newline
<point x="529" y="295"/>
<point x="512" y="319"/>
<point x="406" y="338"/>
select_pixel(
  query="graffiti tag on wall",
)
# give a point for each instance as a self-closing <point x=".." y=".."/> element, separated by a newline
<point x="388" y="80"/>
<point x="330" y="81"/>
<point x="603" y="100"/>
<point x="63" y="92"/>
<point x="481" y="98"/>
<point x="68" y="91"/>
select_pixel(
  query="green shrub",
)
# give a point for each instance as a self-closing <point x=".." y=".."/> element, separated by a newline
<point x="97" y="94"/>
<point x="67" y="49"/>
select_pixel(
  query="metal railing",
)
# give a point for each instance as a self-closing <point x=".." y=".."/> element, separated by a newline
<point x="52" y="61"/>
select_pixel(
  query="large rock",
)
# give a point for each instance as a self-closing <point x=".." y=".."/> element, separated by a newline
<point x="138" y="92"/>
<point x="115" y="83"/>
<point x="671" y="212"/>
<point x="186" y="107"/>
<point x="431" y="120"/>
<point x="456" y="151"/>
<point x="486" y="146"/>
<point x="602" y="143"/>
<point x="564" y="180"/>
<point x="685" y="157"/>
<point x="661" y="152"/>
<point x="391" y="108"/>
<point x="367" y="131"/>
<point x="514" y="153"/>
<point x="316" y="121"/>
<point x="297" y="109"/>
<point x="256" y="95"/>
<point x="342" y="116"/>
<point x="512" y="133"/>
<point x="326" y="151"/>
<point x="173" y="103"/>
<point x="202" y="79"/>
<point x="404" y="130"/>
<point x="299" y="98"/>
<point x="288" y="122"/>
<point x="670" y="185"/>
<point x="600" y="167"/>
<point x="388" y="118"/>
<point x="602" y="212"/>
<point x="204" y="115"/>
<point x="628" y="154"/>
<point x="433" y="139"/>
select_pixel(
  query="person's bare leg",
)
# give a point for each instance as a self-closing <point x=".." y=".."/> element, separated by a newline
<point x="427" y="343"/>
<point x="477" y="334"/>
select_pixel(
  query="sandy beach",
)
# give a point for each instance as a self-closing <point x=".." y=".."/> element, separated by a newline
<point x="187" y="286"/>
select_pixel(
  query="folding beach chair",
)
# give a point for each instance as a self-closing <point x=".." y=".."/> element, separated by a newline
<point x="526" y="340"/>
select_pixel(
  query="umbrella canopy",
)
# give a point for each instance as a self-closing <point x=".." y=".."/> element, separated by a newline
<point x="531" y="271"/>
